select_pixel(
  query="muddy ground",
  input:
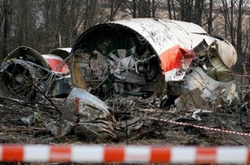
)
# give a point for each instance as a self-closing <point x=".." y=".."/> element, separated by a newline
<point x="17" y="125"/>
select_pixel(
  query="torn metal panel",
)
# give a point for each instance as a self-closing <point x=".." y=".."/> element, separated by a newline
<point x="214" y="65"/>
<point x="176" y="62"/>
<point x="191" y="100"/>
<point x="57" y="60"/>
<point x="85" y="111"/>
<point x="27" y="54"/>
<point x="79" y="73"/>
<point x="212" y="89"/>
<point x="226" y="52"/>
<point x="56" y="63"/>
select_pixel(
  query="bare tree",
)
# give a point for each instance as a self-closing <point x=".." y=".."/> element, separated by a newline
<point x="140" y="8"/>
<point x="90" y="13"/>
<point x="170" y="3"/>
<point x="210" y="18"/>
<point x="233" y="13"/>
<point x="239" y="26"/>
<point x="198" y="11"/>
<point x="232" y="31"/>
<point x="114" y="7"/>
<point x="6" y="27"/>
<point x="186" y="10"/>
<point x="153" y="8"/>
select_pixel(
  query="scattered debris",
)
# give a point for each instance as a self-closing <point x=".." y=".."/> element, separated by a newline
<point x="124" y="72"/>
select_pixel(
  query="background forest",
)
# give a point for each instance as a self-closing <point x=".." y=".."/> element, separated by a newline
<point x="47" y="24"/>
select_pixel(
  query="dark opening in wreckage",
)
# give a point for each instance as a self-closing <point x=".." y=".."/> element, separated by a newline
<point x="120" y="63"/>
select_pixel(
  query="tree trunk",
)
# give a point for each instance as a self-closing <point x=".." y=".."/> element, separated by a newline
<point x="91" y="12"/>
<point x="182" y="6"/>
<point x="134" y="9"/>
<point x="226" y="16"/>
<point x="148" y="9"/>
<point x="140" y="9"/>
<point x="153" y="8"/>
<point x="6" y="28"/>
<point x="169" y="10"/>
<point x="210" y="18"/>
<point x="239" y="31"/>
<point x="199" y="7"/>
<point x="232" y="34"/>
<point x="173" y="6"/>
<point x="47" y="15"/>
<point x="112" y="6"/>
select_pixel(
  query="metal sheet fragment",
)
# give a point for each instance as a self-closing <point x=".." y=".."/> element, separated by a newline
<point x="191" y="100"/>
<point x="86" y="111"/>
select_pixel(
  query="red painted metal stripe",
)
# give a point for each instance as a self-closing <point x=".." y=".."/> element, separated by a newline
<point x="77" y="103"/>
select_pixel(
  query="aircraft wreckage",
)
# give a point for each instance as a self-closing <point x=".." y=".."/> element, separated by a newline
<point x="27" y="73"/>
<point x="145" y="57"/>
<point x="113" y="64"/>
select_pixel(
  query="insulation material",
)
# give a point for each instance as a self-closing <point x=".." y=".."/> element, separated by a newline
<point x="77" y="78"/>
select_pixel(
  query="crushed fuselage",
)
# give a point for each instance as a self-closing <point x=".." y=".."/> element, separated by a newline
<point x="145" y="57"/>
